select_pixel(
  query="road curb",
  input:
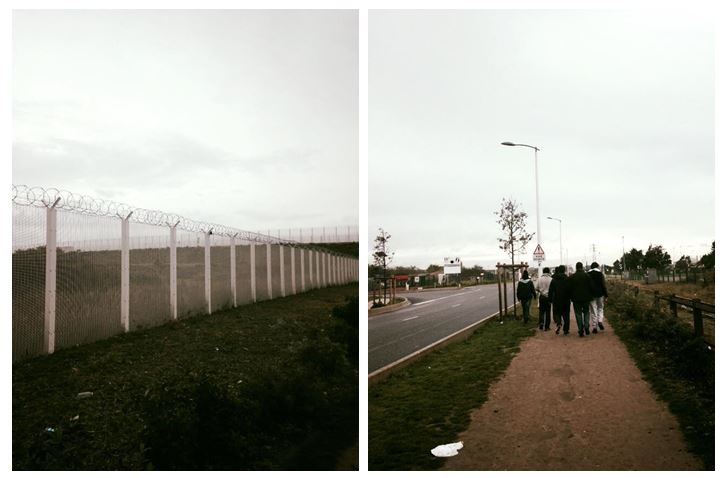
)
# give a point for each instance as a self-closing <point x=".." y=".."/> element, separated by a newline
<point x="388" y="308"/>
<point x="382" y="373"/>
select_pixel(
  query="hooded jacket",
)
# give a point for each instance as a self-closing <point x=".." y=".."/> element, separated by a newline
<point x="525" y="290"/>
<point x="598" y="283"/>
<point x="580" y="286"/>
<point x="560" y="290"/>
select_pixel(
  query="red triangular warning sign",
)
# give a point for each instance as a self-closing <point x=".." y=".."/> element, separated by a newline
<point x="538" y="250"/>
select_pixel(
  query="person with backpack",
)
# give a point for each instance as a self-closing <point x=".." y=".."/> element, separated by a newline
<point x="543" y="286"/>
<point x="599" y="297"/>
<point x="581" y="295"/>
<point x="560" y="299"/>
<point x="525" y="294"/>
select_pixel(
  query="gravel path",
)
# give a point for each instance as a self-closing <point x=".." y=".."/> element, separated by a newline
<point x="571" y="403"/>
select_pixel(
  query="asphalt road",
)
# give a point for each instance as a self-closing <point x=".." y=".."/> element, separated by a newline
<point x="433" y="315"/>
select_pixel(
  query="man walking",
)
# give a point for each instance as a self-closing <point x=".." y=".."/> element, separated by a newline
<point x="543" y="287"/>
<point x="581" y="295"/>
<point x="560" y="299"/>
<point x="599" y="297"/>
<point x="525" y="294"/>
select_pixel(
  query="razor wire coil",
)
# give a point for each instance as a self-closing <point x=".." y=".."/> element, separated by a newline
<point x="81" y="203"/>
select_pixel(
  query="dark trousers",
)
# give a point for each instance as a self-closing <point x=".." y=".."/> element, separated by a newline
<point x="582" y="316"/>
<point x="544" y="311"/>
<point x="562" y="315"/>
<point x="526" y="309"/>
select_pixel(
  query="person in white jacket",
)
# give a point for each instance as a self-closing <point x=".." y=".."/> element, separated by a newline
<point x="543" y="288"/>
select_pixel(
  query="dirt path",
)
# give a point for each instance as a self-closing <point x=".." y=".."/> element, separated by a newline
<point x="571" y="403"/>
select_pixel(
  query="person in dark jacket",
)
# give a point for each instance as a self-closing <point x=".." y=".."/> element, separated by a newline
<point x="560" y="299"/>
<point x="525" y="294"/>
<point x="581" y="295"/>
<point x="599" y="297"/>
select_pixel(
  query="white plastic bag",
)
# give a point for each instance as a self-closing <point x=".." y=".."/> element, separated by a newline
<point x="450" y="449"/>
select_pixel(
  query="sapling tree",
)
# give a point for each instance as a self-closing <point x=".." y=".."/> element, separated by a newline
<point x="383" y="256"/>
<point x="513" y="220"/>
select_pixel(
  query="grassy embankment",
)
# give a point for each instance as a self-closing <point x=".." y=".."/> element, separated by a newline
<point x="271" y="385"/>
<point x="429" y="402"/>
<point x="678" y="365"/>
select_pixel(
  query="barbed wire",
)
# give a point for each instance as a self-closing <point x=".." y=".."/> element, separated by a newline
<point x="68" y="201"/>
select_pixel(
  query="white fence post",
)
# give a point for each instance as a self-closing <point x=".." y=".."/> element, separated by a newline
<point x="125" y="273"/>
<point x="328" y="269"/>
<point x="293" y="271"/>
<point x="233" y="268"/>
<point x="311" y="269"/>
<point x="301" y="262"/>
<point x="318" y="269"/>
<point x="51" y="237"/>
<point x="332" y="269"/>
<point x="252" y="260"/>
<point x="174" y="274"/>
<point x="336" y="270"/>
<point x="323" y="270"/>
<point x="207" y="268"/>
<point x="281" y="270"/>
<point x="268" y="270"/>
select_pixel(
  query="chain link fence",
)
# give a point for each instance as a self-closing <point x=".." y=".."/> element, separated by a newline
<point x="85" y="269"/>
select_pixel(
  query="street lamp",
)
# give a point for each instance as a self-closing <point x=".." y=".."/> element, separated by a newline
<point x="560" y="221"/>
<point x="537" y="189"/>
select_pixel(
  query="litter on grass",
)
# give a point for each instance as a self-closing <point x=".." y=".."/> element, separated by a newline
<point x="450" y="449"/>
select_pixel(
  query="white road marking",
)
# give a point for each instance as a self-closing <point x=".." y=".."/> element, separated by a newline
<point x="456" y="305"/>
<point x="482" y="297"/>
<point x="410" y="318"/>
<point x="425" y="302"/>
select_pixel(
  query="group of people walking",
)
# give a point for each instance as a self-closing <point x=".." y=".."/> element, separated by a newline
<point x="586" y="291"/>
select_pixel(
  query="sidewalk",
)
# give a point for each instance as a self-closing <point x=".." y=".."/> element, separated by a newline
<point x="571" y="403"/>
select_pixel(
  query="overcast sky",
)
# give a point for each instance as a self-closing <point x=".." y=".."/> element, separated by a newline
<point x="619" y="103"/>
<point x="244" y="118"/>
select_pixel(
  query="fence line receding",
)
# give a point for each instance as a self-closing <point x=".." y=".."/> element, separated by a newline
<point x="85" y="269"/>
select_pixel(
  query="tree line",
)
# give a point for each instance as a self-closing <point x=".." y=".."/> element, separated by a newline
<point x="656" y="257"/>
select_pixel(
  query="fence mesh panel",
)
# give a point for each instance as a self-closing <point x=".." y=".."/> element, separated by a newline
<point x="28" y="282"/>
<point x="262" y="251"/>
<point x="275" y="270"/>
<point x="221" y="293"/>
<point x="243" y="274"/>
<point x="88" y="278"/>
<point x="191" y="283"/>
<point x="150" y="265"/>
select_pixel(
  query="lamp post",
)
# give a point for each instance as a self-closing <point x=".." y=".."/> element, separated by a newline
<point x="560" y="222"/>
<point x="537" y="189"/>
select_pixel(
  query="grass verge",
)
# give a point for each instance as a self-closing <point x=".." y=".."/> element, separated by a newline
<point x="678" y="366"/>
<point x="429" y="402"/>
<point x="272" y="385"/>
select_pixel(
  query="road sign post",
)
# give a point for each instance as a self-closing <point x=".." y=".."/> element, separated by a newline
<point x="538" y="255"/>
